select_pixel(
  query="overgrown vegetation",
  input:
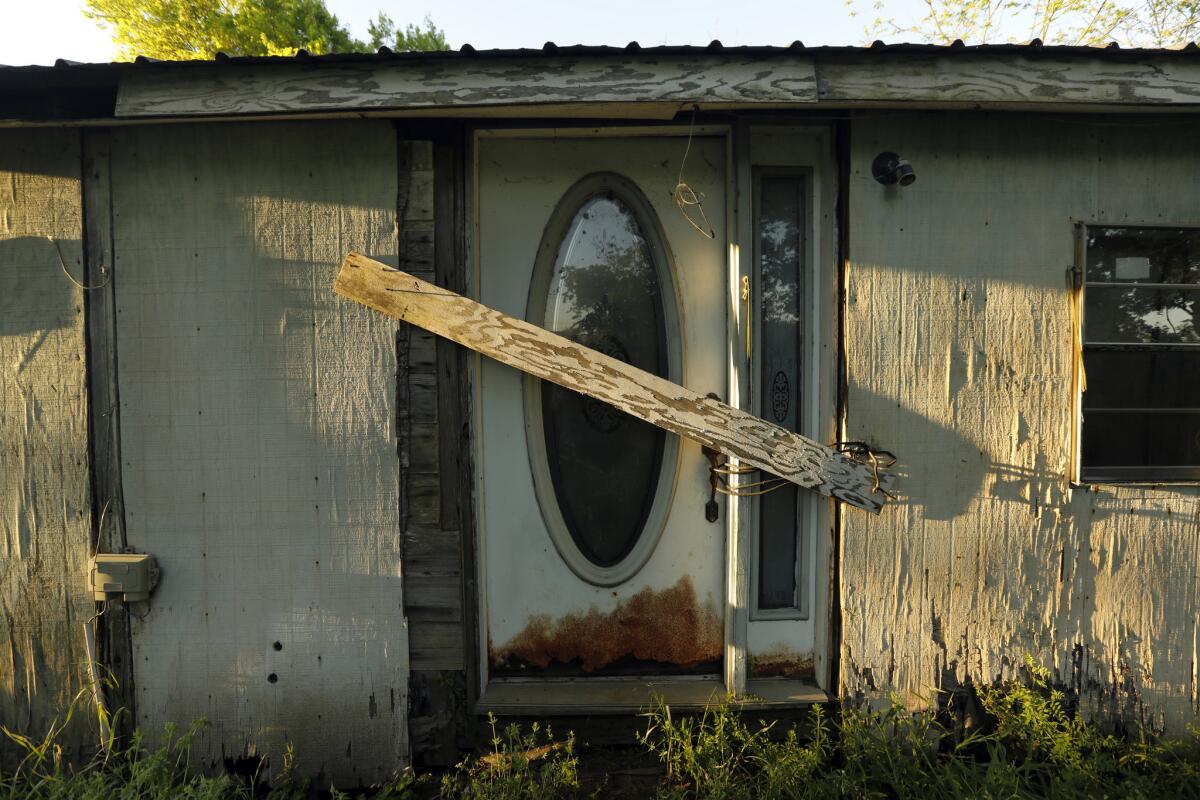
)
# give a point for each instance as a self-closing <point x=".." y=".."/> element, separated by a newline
<point x="1029" y="745"/>
<point x="520" y="766"/>
<point x="1025" y="742"/>
<point x="135" y="771"/>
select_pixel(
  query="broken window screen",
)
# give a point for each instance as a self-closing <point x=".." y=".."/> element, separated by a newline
<point x="779" y="248"/>
<point x="1141" y="354"/>
<point x="604" y="463"/>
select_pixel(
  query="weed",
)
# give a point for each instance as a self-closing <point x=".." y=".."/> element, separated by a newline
<point x="716" y="755"/>
<point x="1028" y="743"/>
<point x="1031" y="745"/>
<point x="520" y="766"/>
<point x="133" y="771"/>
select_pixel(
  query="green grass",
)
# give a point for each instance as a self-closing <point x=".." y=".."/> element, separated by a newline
<point x="1029" y="745"/>
<point x="1026" y="742"/>
<point x="519" y="766"/>
<point x="130" y="770"/>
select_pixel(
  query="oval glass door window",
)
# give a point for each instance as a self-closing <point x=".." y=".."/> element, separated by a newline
<point x="601" y="474"/>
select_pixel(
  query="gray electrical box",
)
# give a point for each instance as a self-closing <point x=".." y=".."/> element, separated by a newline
<point x="123" y="576"/>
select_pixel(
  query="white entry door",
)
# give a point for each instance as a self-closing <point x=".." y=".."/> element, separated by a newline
<point x="601" y="553"/>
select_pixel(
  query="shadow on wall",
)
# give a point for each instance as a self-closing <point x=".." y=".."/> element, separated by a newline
<point x="44" y="490"/>
<point x="262" y="480"/>
<point x="257" y="433"/>
<point x="33" y="278"/>
<point x="1067" y="574"/>
<point x="918" y="441"/>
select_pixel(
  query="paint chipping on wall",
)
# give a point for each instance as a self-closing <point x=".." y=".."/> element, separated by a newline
<point x="989" y="553"/>
<point x="667" y="627"/>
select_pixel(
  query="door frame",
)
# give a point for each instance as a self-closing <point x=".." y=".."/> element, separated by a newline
<point x="596" y="695"/>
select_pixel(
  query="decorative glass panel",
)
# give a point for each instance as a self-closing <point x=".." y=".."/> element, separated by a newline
<point x="780" y="248"/>
<point x="605" y="294"/>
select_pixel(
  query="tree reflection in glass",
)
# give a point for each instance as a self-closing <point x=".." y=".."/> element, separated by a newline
<point x="1141" y="355"/>
<point x="1154" y="283"/>
<point x="605" y="294"/>
<point x="780" y="243"/>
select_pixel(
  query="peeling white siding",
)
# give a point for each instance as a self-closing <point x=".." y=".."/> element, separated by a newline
<point x="958" y="357"/>
<point x="258" y="440"/>
<point x="44" y="488"/>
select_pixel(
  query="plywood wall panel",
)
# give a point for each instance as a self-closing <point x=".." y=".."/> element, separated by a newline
<point x="45" y="516"/>
<point x="258" y="417"/>
<point x="959" y="360"/>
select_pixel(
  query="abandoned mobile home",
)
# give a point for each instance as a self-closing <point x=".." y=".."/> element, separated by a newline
<point x="257" y="501"/>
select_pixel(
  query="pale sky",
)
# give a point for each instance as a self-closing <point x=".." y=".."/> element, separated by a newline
<point x="39" y="31"/>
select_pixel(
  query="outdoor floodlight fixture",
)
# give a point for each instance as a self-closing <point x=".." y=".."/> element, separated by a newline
<point x="890" y="169"/>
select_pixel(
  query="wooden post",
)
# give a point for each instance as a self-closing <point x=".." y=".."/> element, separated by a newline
<point x="115" y="649"/>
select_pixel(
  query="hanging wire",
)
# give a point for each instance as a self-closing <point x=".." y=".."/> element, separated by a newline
<point x="863" y="453"/>
<point x="63" y="263"/>
<point x="687" y="197"/>
<point x="858" y="452"/>
<point x="718" y="472"/>
<point x="103" y="610"/>
<point x="95" y="550"/>
<point x="752" y="489"/>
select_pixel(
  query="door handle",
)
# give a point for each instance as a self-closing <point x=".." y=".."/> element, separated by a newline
<point x="711" y="509"/>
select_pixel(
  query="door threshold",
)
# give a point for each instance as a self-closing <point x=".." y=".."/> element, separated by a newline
<point x="783" y="693"/>
<point x="560" y="697"/>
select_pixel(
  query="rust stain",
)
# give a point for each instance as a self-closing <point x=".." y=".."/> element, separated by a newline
<point x="779" y="662"/>
<point x="668" y="626"/>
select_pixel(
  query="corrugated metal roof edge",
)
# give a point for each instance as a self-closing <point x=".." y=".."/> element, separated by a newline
<point x="1033" y="48"/>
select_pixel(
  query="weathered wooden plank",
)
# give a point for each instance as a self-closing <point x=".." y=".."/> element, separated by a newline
<point x="423" y="446"/>
<point x="45" y="525"/>
<point x="422" y="349"/>
<point x="436" y="709"/>
<point x="719" y="79"/>
<point x="432" y="550"/>
<point x="434" y="597"/>
<point x="422" y="397"/>
<point x="424" y="498"/>
<point x="447" y="82"/>
<point x="987" y="80"/>
<point x="437" y="644"/>
<point x="452" y="418"/>
<point x="108" y="503"/>
<point x="531" y="349"/>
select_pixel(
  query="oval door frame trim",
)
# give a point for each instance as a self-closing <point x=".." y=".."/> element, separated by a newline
<point x="557" y="225"/>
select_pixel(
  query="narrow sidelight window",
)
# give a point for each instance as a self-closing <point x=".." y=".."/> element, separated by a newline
<point x="780" y="243"/>
<point x="1141" y="354"/>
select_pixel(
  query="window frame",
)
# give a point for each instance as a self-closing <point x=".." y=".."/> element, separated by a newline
<point x="806" y="512"/>
<point x="1119" y="475"/>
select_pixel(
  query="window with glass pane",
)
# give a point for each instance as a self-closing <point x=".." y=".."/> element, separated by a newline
<point x="1141" y="354"/>
<point x="779" y="257"/>
<point x="605" y="464"/>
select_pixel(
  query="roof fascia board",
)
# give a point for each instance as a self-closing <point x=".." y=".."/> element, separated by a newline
<point x="583" y="114"/>
<point x="230" y="90"/>
<point x="989" y="80"/>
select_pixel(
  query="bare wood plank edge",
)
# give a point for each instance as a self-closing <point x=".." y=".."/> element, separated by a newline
<point x="545" y="355"/>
